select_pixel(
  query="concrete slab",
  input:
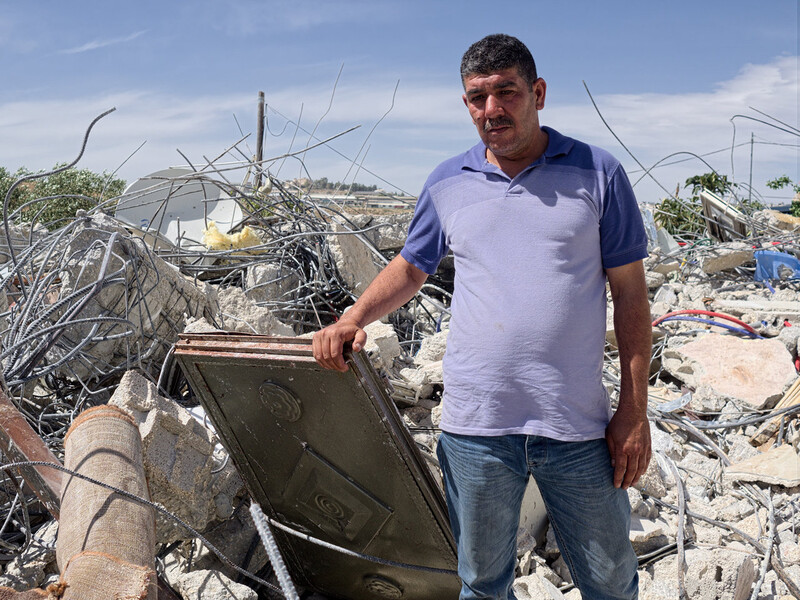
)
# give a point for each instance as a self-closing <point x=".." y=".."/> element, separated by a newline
<point x="755" y="372"/>
<point x="776" y="466"/>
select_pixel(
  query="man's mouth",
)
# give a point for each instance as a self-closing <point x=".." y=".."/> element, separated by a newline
<point x="500" y="123"/>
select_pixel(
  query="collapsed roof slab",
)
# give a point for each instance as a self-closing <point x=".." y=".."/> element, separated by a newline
<point x="326" y="454"/>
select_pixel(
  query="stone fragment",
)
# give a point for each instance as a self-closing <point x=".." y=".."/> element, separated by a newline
<point x="238" y="313"/>
<point x="559" y="567"/>
<point x="533" y="587"/>
<point x="419" y="381"/>
<point x="29" y="569"/>
<point x="756" y="372"/>
<point x="725" y="256"/>
<point x="663" y="443"/>
<point x="774" y="218"/>
<point x="269" y="282"/>
<point x="652" y="482"/>
<point x="353" y="258"/>
<point x="532" y="518"/>
<point x="790" y="336"/>
<point x="701" y="574"/>
<point x="543" y="570"/>
<point x="667" y="295"/>
<point x="664" y="580"/>
<point x="179" y="457"/>
<point x="647" y="535"/>
<point x="550" y="550"/>
<point x="212" y="585"/>
<point x="644" y="508"/>
<point x="776" y="466"/>
<point x="436" y="415"/>
<point x="654" y="279"/>
<point x="433" y="371"/>
<point x="386" y="232"/>
<point x="432" y="348"/>
<point x="739" y="448"/>
<point x="382" y="344"/>
<point x="666" y="266"/>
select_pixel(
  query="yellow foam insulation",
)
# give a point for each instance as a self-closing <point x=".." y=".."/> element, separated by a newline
<point x="214" y="239"/>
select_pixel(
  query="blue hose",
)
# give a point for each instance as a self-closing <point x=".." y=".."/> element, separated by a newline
<point x="716" y="323"/>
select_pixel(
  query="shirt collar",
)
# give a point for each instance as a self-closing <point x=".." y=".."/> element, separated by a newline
<point x="557" y="144"/>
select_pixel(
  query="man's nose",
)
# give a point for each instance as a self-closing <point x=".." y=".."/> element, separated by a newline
<point x="493" y="107"/>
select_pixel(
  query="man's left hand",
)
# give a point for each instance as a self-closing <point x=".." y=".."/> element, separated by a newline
<point x="628" y="438"/>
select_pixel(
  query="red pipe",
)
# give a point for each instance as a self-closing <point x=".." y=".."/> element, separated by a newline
<point x="710" y="313"/>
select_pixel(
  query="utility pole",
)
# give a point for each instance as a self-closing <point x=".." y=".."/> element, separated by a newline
<point x="259" y="139"/>
<point x="750" y="186"/>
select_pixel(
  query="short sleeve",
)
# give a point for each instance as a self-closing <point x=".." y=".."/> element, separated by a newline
<point x="425" y="246"/>
<point x="622" y="235"/>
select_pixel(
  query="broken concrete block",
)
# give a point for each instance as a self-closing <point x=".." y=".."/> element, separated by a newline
<point x="776" y="466"/>
<point x="238" y="313"/>
<point x="532" y="518"/>
<point x="236" y="538"/>
<point x="433" y="372"/>
<point x="652" y="482"/>
<point x="654" y="279"/>
<point x="756" y="372"/>
<point x="647" y="534"/>
<point x="644" y="508"/>
<point x="667" y="295"/>
<point x="382" y="343"/>
<point x="666" y="266"/>
<point x="178" y="458"/>
<point x="533" y="587"/>
<point x="550" y="550"/>
<point x="419" y="382"/>
<point x="150" y="296"/>
<point x="386" y="232"/>
<point x="739" y="448"/>
<point x="265" y="282"/>
<point x="432" y="348"/>
<point x="212" y="585"/>
<point x="759" y="308"/>
<point x="29" y="569"/>
<point x="790" y="336"/>
<point x="436" y="415"/>
<point x="725" y="256"/>
<point x="539" y="566"/>
<point x="354" y="260"/>
<point x="774" y="218"/>
<point x="662" y="443"/>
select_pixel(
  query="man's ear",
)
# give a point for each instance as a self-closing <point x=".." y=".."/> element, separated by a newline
<point x="540" y="90"/>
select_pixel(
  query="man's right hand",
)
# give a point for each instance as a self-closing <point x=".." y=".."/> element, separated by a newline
<point x="328" y="343"/>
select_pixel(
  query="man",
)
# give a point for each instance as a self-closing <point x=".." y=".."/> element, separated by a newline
<point x="537" y="223"/>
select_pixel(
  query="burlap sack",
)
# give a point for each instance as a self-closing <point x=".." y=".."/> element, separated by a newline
<point x="96" y="576"/>
<point x="100" y="528"/>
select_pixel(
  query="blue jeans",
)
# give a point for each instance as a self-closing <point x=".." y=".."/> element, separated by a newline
<point x="485" y="479"/>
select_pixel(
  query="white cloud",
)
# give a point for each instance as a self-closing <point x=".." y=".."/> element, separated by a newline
<point x="255" y="17"/>
<point x="427" y="124"/>
<point x="96" y="44"/>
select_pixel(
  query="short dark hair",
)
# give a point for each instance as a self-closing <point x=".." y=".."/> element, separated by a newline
<point x="497" y="52"/>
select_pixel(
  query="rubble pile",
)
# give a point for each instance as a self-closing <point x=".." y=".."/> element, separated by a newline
<point x="90" y="311"/>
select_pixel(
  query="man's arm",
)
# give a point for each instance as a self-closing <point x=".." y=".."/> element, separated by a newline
<point x="628" y="433"/>
<point x="393" y="287"/>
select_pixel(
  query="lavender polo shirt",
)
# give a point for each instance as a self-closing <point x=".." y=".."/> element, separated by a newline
<point x="525" y="348"/>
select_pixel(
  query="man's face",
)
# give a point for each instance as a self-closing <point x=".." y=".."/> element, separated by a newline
<point x="505" y="109"/>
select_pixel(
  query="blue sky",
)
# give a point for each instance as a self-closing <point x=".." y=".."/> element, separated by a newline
<point x="668" y="78"/>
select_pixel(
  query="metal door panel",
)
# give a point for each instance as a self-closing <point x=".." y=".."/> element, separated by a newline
<point x="327" y="454"/>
